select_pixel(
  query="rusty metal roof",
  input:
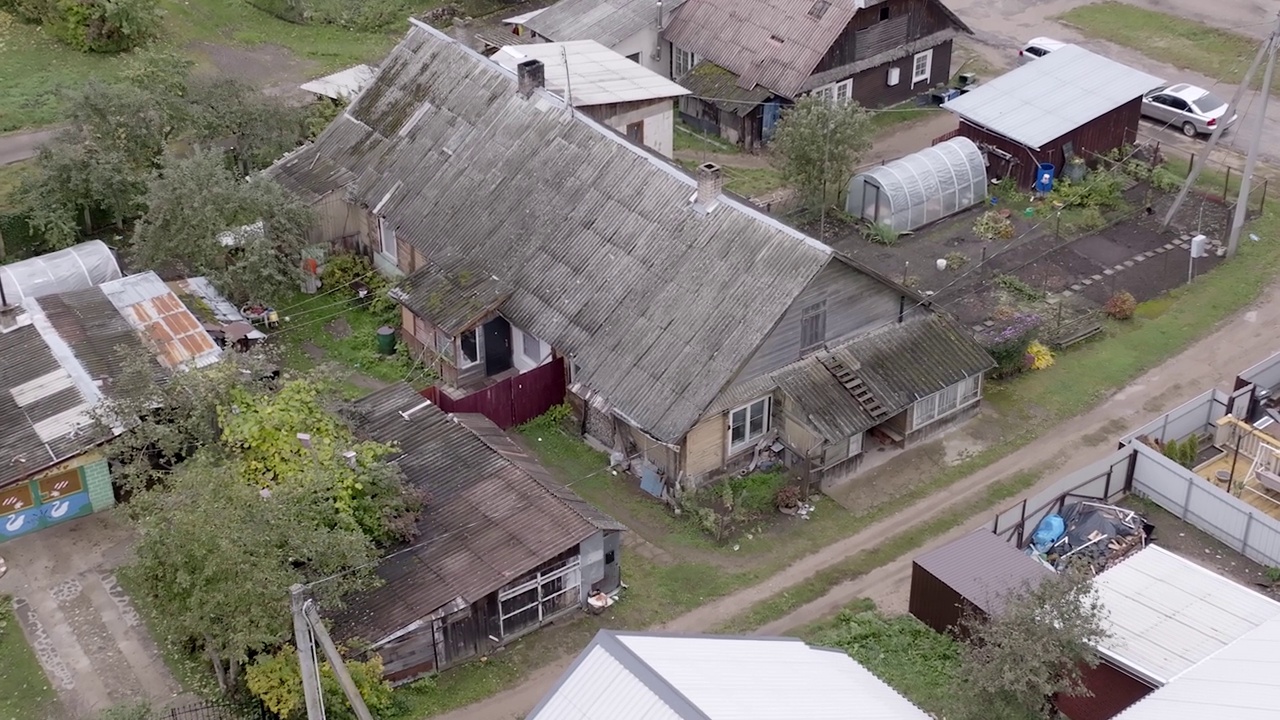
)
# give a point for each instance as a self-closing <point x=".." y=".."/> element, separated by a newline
<point x="983" y="569"/>
<point x="178" y="340"/>
<point x="487" y="522"/>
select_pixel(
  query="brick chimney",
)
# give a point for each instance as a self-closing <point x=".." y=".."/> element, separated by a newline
<point x="710" y="186"/>
<point x="532" y="75"/>
<point x="464" y="34"/>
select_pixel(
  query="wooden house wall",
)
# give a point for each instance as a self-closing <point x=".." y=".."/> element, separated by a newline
<point x="867" y="35"/>
<point x="1096" y="137"/>
<point x="335" y="219"/>
<point x="871" y="87"/>
<point x="705" y="446"/>
<point x="856" y="303"/>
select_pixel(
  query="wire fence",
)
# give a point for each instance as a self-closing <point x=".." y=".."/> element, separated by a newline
<point x="217" y="710"/>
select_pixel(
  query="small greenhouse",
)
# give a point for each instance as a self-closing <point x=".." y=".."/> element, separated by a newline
<point x="920" y="188"/>
<point x="78" y="267"/>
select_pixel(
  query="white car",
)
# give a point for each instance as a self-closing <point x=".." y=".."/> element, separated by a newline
<point x="1038" y="48"/>
<point x="1192" y="109"/>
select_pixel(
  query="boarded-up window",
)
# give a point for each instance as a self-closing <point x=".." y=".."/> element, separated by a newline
<point x="813" y="325"/>
<point x="635" y="131"/>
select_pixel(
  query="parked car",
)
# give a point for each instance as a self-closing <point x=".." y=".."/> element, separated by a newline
<point x="1195" y="110"/>
<point x="1038" y="48"/>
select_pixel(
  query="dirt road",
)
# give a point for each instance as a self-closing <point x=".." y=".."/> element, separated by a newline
<point x="1214" y="361"/>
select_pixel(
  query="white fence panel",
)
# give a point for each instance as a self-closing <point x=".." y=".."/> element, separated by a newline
<point x="1234" y="522"/>
<point x="1196" y="415"/>
<point x="1265" y="374"/>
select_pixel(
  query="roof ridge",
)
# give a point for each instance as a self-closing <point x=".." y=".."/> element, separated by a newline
<point x="611" y="642"/>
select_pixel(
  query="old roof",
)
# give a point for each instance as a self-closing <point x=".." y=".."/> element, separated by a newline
<point x="496" y="38"/>
<point x="177" y="339"/>
<point x="608" y="258"/>
<point x="342" y="85"/>
<point x="720" y="87"/>
<point x="1040" y="101"/>
<point x="594" y="74"/>
<point x="487" y="520"/>
<point x="1240" y="681"/>
<point x="453" y="300"/>
<point x="1166" y="613"/>
<point x="201" y="297"/>
<point x="608" y="22"/>
<point x="899" y="363"/>
<point x="647" y="676"/>
<point x="983" y="569"/>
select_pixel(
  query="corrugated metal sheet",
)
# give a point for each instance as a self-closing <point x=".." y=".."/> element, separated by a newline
<point x="771" y="43"/>
<point x="696" y="677"/>
<point x="708" y="80"/>
<point x="487" y="521"/>
<point x="1166" y="613"/>
<point x="342" y="85"/>
<point x="608" y="22"/>
<point x="595" y="74"/>
<point x="1048" y="98"/>
<point x="453" y="300"/>
<point x="177" y="339"/>
<point x="1240" y="682"/>
<point x="609" y="261"/>
<point x="983" y="569"/>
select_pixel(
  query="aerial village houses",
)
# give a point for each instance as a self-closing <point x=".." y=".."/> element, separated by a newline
<point x="543" y="252"/>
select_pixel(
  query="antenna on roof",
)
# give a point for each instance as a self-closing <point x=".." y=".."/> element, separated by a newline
<point x="568" y="83"/>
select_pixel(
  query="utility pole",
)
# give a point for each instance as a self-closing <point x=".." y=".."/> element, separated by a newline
<point x="306" y="661"/>
<point x="1242" y="200"/>
<point x="336" y="662"/>
<point x="1198" y="164"/>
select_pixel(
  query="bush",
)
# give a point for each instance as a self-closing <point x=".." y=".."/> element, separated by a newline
<point x="343" y="269"/>
<point x="880" y="234"/>
<point x="363" y="15"/>
<point x="104" y="26"/>
<point x="788" y="496"/>
<point x="755" y="493"/>
<point x="956" y="261"/>
<point x="1120" y="306"/>
<point x="30" y="11"/>
<point x="277" y="681"/>
<point x="1041" y="356"/>
<point x="991" y="225"/>
<point x="1184" y="453"/>
<point x="1008" y="346"/>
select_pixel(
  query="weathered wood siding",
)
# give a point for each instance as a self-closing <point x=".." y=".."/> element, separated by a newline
<point x="856" y="303"/>
<point x="871" y="87"/>
<point x="335" y="219"/>
<point x="704" y="447"/>
<point x="799" y="436"/>
<point x="868" y="35"/>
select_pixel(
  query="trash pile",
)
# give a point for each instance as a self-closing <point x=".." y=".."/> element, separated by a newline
<point x="1101" y="535"/>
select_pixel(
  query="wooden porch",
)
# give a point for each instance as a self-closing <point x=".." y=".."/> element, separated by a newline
<point x="1236" y="472"/>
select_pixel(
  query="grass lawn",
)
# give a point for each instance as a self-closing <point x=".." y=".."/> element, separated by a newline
<point x="689" y="139"/>
<point x="24" y="688"/>
<point x="1187" y="44"/>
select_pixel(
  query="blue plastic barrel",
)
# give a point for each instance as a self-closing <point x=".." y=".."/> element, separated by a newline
<point x="1044" y="177"/>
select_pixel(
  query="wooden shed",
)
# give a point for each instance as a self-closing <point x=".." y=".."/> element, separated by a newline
<point x="972" y="574"/>
<point x="1071" y="102"/>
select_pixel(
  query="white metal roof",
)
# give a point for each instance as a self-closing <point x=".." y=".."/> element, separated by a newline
<point x="342" y="85"/>
<point x="1240" y="682"/>
<point x="596" y="75"/>
<point x="624" y="676"/>
<point x="1046" y="99"/>
<point x="1166" y="613"/>
<point x="524" y="17"/>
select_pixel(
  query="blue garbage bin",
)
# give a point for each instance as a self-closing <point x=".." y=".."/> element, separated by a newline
<point x="1044" y="177"/>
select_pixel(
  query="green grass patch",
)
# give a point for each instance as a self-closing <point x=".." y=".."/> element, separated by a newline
<point x="689" y="139"/>
<point x="10" y="178"/>
<point x="25" y="690"/>
<point x="894" y="117"/>
<point x="1170" y="39"/>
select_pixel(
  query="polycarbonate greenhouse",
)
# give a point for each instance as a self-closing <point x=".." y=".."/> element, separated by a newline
<point x="922" y="187"/>
<point x="78" y="267"/>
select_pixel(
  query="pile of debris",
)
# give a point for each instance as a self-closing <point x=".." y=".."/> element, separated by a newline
<point x="1101" y="535"/>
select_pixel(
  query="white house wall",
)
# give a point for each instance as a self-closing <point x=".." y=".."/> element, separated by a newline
<point x="519" y="359"/>
<point x="644" y="42"/>
<point x="660" y="128"/>
<point x="658" y="117"/>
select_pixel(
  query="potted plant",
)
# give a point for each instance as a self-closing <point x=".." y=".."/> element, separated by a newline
<point x="787" y="499"/>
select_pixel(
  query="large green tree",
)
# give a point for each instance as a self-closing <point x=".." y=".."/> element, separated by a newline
<point x="817" y="144"/>
<point x="191" y="200"/>
<point x="1013" y="664"/>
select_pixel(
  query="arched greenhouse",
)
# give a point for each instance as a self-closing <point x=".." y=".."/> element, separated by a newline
<point x="920" y="188"/>
<point x="78" y="267"/>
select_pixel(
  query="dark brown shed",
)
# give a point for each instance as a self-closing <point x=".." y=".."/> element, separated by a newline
<point x="974" y="573"/>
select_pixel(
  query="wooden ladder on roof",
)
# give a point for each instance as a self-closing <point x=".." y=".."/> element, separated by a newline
<point x="858" y="389"/>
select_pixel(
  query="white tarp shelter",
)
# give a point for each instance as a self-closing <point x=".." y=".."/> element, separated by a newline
<point x="78" y="267"/>
<point x="922" y="187"/>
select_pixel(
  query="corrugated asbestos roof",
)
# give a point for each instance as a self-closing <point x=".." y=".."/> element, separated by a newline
<point x="899" y="363"/>
<point x="639" y="676"/>
<point x="487" y="520"/>
<point x="1167" y="614"/>
<point x="771" y="43"/>
<point x="608" y="259"/>
<point x="595" y="74"/>
<point x="608" y="22"/>
<point x="453" y="300"/>
<point x="983" y="569"/>
<point x="708" y="80"/>
<point x="1046" y="99"/>
<point x="1240" y="682"/>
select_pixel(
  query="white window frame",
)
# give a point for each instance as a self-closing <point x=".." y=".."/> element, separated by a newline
<point x="946" y="401"/>
<point x="463" y="362"/>
<point x="682" y="62"/>
<point x="748" y="438"/>
<point x="387" y="239"/>
<point x="917" y="77"/>
<point x="530" y="343"/>
<point x="836" y="92"/>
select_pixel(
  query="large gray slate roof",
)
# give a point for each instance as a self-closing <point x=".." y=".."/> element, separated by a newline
<point x="608" y="22"/>
<point x="657" y="303"/>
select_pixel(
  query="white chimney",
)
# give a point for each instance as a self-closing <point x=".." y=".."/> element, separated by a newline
<point x="710" y="186"/>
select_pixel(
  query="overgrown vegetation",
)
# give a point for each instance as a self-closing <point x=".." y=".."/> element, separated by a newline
<point x="1020" y="290"/>
<point x="24" y="689"/>
<point x="992" y="225"/>
<point x="1007" y="343"/>
<point x="277" y="680"/>
<point x="880" y="234"/>
<point x="99" y="26"/>
<point x="727" y="507"/>
<point x="817" y="144"/>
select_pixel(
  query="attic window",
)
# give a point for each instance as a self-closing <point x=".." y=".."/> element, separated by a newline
<point x="819" y="9"/>
<point x="775" y="40"/>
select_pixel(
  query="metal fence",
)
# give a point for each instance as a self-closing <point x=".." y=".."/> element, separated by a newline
<point x="1232" y="521"/>
<point x="218" y="710"/>
<point x="1106" y="480"/>
<point x="1265" y="374"/>
<point x="1197" y="415"/>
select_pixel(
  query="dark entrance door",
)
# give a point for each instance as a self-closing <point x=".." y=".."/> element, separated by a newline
<point x="497" y="346"/>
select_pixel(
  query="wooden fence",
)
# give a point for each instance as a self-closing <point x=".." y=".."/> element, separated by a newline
<point x="513" y="401"/>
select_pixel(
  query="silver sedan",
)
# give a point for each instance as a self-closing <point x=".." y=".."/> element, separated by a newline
<point x="1194" y="110"/>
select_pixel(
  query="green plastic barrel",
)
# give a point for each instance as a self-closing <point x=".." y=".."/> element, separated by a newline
<point x="386" y="340"/>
